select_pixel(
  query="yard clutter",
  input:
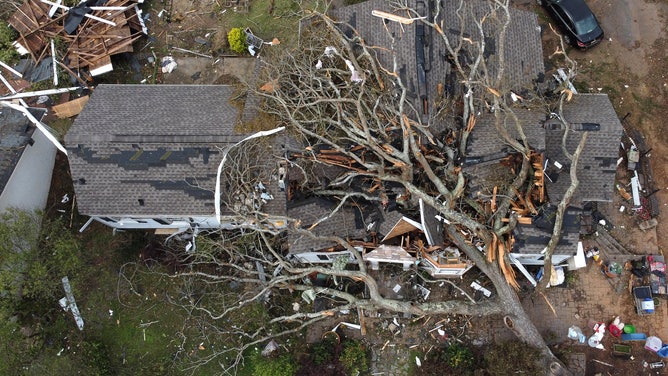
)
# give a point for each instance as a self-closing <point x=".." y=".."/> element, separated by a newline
<point x="597" y="337"/>
<point x="575" y="333"/>
<point x="653" y="344"/>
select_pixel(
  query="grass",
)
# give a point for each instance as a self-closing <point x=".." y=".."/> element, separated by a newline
<point x="269" y="19"/>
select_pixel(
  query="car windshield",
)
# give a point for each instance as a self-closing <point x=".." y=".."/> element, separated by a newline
<point x="586" y="25"/>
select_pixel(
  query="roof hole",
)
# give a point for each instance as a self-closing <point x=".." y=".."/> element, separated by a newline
<point x="141" y="202"/>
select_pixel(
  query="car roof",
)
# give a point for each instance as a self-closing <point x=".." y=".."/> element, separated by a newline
<point x="577" y="9"/>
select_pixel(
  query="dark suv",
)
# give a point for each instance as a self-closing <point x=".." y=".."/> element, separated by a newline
<point x="577" y="22"/>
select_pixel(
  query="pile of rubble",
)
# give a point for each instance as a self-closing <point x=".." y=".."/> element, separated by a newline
<point x="89" y="33"/>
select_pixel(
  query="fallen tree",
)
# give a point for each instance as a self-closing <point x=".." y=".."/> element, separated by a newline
<point x="334" y="92"/>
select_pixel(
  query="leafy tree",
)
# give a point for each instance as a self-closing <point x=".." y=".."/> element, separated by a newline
<point x="237" y="39"/>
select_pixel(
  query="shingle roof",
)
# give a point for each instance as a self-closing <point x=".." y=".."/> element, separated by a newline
<point x="486" y="142"/>
<point x="344" y="223"/>
<point x="598" y="162"/>
<point x="522" y="64"/>
<point x="150" y="150"/>
<point x="374" y="31"/>
<point x="533" y="238"/>
<point x="15" y="133"/>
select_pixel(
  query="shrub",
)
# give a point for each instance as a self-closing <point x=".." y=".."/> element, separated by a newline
<point x="459" y="357"/>
<point x="237" y="39"/>
<point x="283" y="365"/>
<point x="34" y="256"/>
<point x="354" y="358"/>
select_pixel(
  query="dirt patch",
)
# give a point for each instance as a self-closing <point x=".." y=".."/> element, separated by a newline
<point x="629" y="66"/>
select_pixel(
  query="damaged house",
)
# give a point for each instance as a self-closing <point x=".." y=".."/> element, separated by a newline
<point x="487" y="167"/>
<point x="424" y="65"/>
<point x="146" y="157"/>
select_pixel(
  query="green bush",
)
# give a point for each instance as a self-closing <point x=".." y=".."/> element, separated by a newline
<point x="237" y="39"/>
<point x="257" y="365"/>
<point x="8" y="53"/>
<point x="354" y="358"/>
<point x="459" y="357"/>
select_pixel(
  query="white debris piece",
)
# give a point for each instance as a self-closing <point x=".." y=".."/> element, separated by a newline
<point x="330" y="51"/>
<point x="69" y="304"/>
<point x="168" y="64"/>
<point x="476" y="286"/>
<point x="355" y="77"/>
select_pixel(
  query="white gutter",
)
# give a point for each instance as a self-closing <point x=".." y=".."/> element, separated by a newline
<point x="10" y="69"/>
<point x="85" y="226"/>
<point x="635" y="189"/>
<point x="54" y="64"/>
<point x="37" y="123"/>
<point x="522" y="269"/>
<point x="29" y="94"/>
<point x="222" y="162"/>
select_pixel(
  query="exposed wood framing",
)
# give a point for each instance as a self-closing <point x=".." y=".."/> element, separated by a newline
<point x="107" y="31"/>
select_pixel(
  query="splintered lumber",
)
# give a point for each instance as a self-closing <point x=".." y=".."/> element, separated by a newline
<point x="539" y="176"/>
<point x="360" y="313"/>
<point x="507" y="270"/>
<point x="492" y="248"/>
<point x="105" y="31"/>
<point x="71" y="108"/>
<point x="494" y="191"/>
<point x="471" y="123"/>
<point x="524" y="220"/>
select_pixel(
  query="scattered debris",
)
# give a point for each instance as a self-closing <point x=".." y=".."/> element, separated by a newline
<point x="575" y="333"/>
<point x="91" y="33"/>
<point x="269" y="349"/>
<point x="653" y="343"/>
<point x="476" y="286"/>
<point x="168" y="64"/>
<point x="69" y="304"/>
<point x="604" y="363"/>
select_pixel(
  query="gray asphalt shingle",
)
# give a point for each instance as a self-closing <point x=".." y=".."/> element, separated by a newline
<point x="151" y="150"/>
<point x="598" y="162"/>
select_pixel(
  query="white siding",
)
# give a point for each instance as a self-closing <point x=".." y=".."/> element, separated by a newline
<point x="28" y="187"/>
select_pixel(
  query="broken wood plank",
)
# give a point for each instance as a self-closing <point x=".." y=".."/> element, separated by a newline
<point x="360" y="314"/>
<point x="71" y="108"/>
